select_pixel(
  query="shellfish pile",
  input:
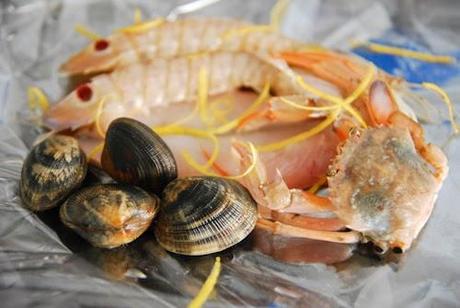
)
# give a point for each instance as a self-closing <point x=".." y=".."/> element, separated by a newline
<point x="196" y="215"/>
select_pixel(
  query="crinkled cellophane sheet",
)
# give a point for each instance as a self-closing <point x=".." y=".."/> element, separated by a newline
<point x="43" y="264"/>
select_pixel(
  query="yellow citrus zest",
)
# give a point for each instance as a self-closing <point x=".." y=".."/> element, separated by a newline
<point x="203" y="88"/>
<point x="97" y="118"/>
<point x="192" y="132"/>
<point x="220" y="108"/>
<point x="137" y="16"/>
<point x="317" y="185"/>
<point x="94" y="151"/>
<point x="402" y="52"/>
<point x="450" y="107"/>
<point x="143" y="26"/>
<point x="37" y="99"/>
<point x="300" y="137"/>
<point x="208" y="286"/>
<point x="246" y="30"/>
<point x="308" y="108"/>
<point x="332" y="98"/>
<point x="86" y="32"/>
<point x="264" y="94"/>
<point x="277" y="13"/>
<point x="205" y="171"/>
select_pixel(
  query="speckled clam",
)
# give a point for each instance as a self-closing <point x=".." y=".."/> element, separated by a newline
<point x="203" y="215"/>
<point x="109" y="215"/>
<point x="134" y="154"/>
<point x="51" y="171"/>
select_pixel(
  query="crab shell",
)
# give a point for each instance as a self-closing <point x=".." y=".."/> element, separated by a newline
<point x="383" y="188"/>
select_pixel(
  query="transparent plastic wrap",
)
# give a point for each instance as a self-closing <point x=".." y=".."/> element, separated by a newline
<point x="44" y="264"/>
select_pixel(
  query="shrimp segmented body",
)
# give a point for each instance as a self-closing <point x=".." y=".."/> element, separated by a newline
<point x="172" y="39"/>
<point x="141" y="89"/>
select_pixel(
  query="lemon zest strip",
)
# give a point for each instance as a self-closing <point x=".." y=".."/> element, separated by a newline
<point x="308" y="108"/>
<point x="317" y="185"/>
<point x="219" y="114"/>
<point x="97" y="119"/>
<point x="97" y="149"/>
<point x="300" y="137"/>
<point x="332" y="98"/>
<point x="137" y="16"/>
<point x="246" y="30"/>
<point x="142" y="27"/>
<point x="422" y="56"/>
<point x="445" y="98"/>
<point x="86" y="32"/>
<point x="208" y="286"/>
<point x="254" y="156"/>
<point x="277" y="13"/>
<point x="203" y="88"/>
<point x="37" y="98"/>
<point x="257" y="102"/>
<point x="330" y="118"/>
<point x="193" y="132"/>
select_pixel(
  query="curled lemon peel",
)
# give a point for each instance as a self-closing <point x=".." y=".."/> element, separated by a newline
<point x="192" y="132"/>
<point x="264" y="94"/>
<point x="246" y="30"/>
<point x="37" y="99"/>
<point x="445" y="98"/>
<point x="203" y="88"/>
<point x="308" y="108"/>
<point x="137" y="16"/>
<point x="300" y="137"/>
<point x="317" y="185"/>
<point x="254" y="155"/>
<point x="332" y="98"/>
<point x="422" y="56"/>
<point x="277" y="13"/>
<point x="94" y="151"/>
<point x="97" y="118"/>
<point x="208" y="286"/>
<point x="340" y="103"/>
<point x="219" y="109"/>
<point x="86" y="32"/>
<point x="143" y="26"/>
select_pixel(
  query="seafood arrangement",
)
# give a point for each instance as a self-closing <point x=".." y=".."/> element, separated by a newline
<point x="216" y="127"/>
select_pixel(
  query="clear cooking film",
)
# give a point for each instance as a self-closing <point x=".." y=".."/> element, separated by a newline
<point x="217" y="153"/>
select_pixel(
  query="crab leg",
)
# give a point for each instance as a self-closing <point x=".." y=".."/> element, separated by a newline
<point x="349" y="237"/>
<point x="302" y="221"/>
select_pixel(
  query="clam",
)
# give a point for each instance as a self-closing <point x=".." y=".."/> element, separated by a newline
<point x="203" y="215"/>
<point x="51" y="171"/>
<point x="136" y="155"/>
<point x="109" y="215"/>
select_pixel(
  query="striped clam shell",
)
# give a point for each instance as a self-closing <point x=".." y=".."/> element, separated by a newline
<point x="203" y="215"/>
<point x="134" y="154"/>
<point x="109" y="215"/>
<point x="51" y="171"/>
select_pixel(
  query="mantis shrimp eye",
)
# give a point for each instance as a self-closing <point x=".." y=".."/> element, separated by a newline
<point x="101" y="45"/>
<point x="84" y="92"/>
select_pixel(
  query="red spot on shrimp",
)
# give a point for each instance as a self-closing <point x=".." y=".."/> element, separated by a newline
<point x="101" y="45"/>
<point x="84" y="92"/>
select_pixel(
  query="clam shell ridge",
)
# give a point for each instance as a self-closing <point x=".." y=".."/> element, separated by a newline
<point x="52" y="170"/>
<point x="109" y="215"/>
<point x="203" y="215"/>
<point x="134" y="154"/>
